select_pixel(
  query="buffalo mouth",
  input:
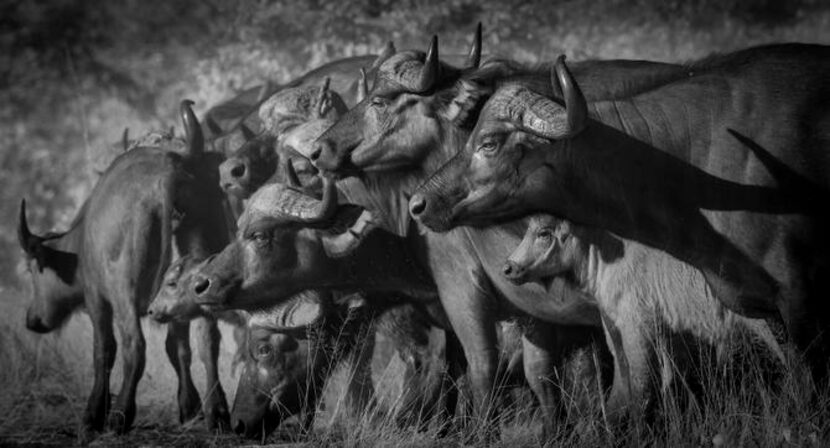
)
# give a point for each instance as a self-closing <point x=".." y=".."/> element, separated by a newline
<point x="236" y="189"/>
<point x="547" y="282"/>
<point x="160" y="317"/>
<point x="213" y="293"/>
<point x="338" y="165"/>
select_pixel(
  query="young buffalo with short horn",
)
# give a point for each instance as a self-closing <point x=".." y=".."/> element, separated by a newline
<point x="656" y="309"/>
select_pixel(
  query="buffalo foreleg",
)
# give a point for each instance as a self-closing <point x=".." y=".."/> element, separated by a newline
<point x="456" y="367"/>
<point x="360" y="390"/>
<point x="478" y="338"/>
<point x="177" y="346"/>
<point x="543" y="352"/>
<point x="216" y="405"/>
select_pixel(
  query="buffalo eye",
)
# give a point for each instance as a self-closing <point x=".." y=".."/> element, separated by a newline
<point x="379" y="101"/>
<point x="260" y="237"/>
<point x="488" y="147"/>
<point x="545" y="235"/>
<point x="263" y="351"/>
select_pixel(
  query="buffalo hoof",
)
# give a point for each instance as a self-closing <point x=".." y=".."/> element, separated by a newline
<point x="189" y="408"/>
<point x="86" y="434"/>
<point x="218" y="418"/>
<point x="117" y="422"/>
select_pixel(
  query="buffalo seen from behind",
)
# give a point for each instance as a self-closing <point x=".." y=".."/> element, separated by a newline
<point x="112" y="260"/>
<point x="685" y="218"/>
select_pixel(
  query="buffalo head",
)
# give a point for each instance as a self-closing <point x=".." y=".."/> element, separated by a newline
<point x="547" y="250"/>
<point x="498" y="167"/>
<point x="172" y="301"/>
<point x="285" y="244"/>
<point x="291" y="352"/>
<point x="56" y="290"/>
<point x="292" y="119"/>
<point x="396" y="123"/>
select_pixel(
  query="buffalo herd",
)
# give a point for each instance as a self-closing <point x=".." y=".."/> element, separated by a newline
<point x="642" y="209"/>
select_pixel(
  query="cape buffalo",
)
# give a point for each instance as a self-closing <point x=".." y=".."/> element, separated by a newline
<point x="417" y="116"/>
<point x="281" y="250"/>
<point x="653" y="305"/>
<point x="227" y="117"/>
<point x="724" y="169"/>
<point x="257" y="413"/>
<point x="294" y="347"/>
<point x="111" y="261"/>
<point x="290" y="118"/>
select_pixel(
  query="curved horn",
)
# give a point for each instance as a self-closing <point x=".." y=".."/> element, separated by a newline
<point x="192" y="130"/>
<point x="429" y="72"/>
<point x="575" y="102"/>
<point x="125" y="139"/>
<point x="323" y="103"/>
<point x="474" y="59"/>
<point x="362" y="87"/>
<point x="385" y="54"/>
<point x="323" y="209"/>
<point x="24" y="235"/>
<point x="291" y="174"/>
<point x="292" y="204"/>
<point x="340" y="245"/>
<point x="286" y="203"/>
<point x="247" y="133"/>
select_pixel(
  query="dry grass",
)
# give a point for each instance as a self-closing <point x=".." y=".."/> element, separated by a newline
<point x="59" y="112"/>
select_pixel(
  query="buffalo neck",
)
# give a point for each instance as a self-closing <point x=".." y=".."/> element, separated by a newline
<point x="383" y="262"/>
<point x="638" y="171"/>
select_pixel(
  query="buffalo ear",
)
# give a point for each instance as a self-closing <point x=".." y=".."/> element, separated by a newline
<point x="563" y="231"/>
<point x="303" y="314"/>
<point x="65" y="264"/>
<point x="355" y="304"/>
<point x="125" y="140"/>
<point x="466" y="102"/>
<point x="298" y="313"/>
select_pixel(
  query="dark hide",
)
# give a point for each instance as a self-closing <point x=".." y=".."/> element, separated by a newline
<point x="725" y="169"/>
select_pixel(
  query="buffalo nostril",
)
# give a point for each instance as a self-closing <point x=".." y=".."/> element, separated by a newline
<point x="201" y="286"/>
<point x="36" y="325"/>
<point x="315" y="154"/>
<point x="317" y="150"/>
<point x="417" y="205"/>
<point x="239" y="427"/>
<point x="149" y="311"/>
<point x="238" y="171"/>
<point x="507" y="269"/>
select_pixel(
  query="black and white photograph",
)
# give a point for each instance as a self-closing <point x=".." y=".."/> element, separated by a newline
<point x="415" y="223"/>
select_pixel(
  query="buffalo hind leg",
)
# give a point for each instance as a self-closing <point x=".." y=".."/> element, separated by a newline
<point x="177" y="346"/>
<point x="104" y="347"/>
<point x="217" y="416"/>
<point x="133" y="355"/>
